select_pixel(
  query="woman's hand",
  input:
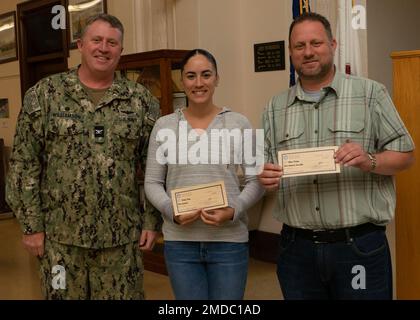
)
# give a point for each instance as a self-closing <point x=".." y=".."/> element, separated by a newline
<point x="184" y="219"/>
<point x="216" y="217"/>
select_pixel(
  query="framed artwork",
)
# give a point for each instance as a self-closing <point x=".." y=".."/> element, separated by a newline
<point x="4" y="108"/>
<point x="179" y="100"/>
<point x="8" y="49"/>
<point x="79" y="12"/>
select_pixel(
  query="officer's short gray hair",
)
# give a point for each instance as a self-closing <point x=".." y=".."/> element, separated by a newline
<point x="112" y="20"/>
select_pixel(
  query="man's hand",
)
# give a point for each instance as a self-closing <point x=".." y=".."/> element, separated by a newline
<point x="148" y="239"/>
<point x="34" y="243"/>
<point x="270" y="177"/>
<point x="351" y="154"/>
<point x="216" y="217"/>
<point x="387" y="162"/>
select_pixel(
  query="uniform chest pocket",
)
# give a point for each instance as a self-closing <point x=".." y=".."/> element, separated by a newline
<point x="124" y="139"/>
<point x="65" y="137"/>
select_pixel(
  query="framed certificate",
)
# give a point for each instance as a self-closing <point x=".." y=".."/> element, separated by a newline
<point x="203" y="196"/>
<point x="310" y="161"/>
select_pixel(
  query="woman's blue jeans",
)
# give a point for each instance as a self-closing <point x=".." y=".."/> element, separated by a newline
<point x="359" y="268"/>
<point x="207" y="270"/>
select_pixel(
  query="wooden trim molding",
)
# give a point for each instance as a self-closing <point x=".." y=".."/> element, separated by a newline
<point x="405" y="54"/>
<point x="154" y="260"/>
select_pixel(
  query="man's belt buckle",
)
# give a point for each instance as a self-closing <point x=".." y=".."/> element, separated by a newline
<point x="315" y="236"/>
<point x="314" y="239"/>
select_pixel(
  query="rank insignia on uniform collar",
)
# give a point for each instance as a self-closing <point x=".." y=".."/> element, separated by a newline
<point x="99" y="131"/>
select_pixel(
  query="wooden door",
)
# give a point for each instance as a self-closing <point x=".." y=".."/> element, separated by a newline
<point x="406" y="68"/>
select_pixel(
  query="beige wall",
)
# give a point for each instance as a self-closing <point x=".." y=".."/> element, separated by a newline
<point x="186" y="24"/>
<point x="392" y="26"/>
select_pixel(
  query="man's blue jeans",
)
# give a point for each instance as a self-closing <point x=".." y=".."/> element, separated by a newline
<point x="207" y="270"/>
<point x="359" y="268"/>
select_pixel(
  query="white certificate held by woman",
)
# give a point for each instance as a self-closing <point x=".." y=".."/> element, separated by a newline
<point x="203" y="196"/>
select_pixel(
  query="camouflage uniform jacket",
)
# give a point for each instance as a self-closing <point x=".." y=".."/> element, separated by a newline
<point x="73" y="166"/>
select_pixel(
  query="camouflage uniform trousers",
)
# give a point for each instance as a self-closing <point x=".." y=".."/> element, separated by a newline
<point x="70" y="272"/>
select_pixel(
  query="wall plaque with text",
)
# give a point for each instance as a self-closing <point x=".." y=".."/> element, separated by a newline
<point x="269" y="56"/>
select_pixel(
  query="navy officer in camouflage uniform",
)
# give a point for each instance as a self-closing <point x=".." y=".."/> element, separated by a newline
<point x="72" y="184"/>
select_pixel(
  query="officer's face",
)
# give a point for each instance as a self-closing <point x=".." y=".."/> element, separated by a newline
<point x="101" y="47"/>
<point x="311" y="50"/>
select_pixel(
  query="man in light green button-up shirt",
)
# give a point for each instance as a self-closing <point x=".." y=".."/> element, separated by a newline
<point x="334" y="222"/>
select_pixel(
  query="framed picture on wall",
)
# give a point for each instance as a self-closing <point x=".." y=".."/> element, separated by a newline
<point x="79" y="12"/>
<point x="8" y="49"/>
<point x="4" y="108"/>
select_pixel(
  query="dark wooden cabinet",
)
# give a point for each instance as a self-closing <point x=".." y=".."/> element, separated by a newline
<point x="159" y="71"/>
<point x="43" y="50"/>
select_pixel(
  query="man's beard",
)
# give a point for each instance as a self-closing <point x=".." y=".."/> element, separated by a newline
<point x="324" y="70"/>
